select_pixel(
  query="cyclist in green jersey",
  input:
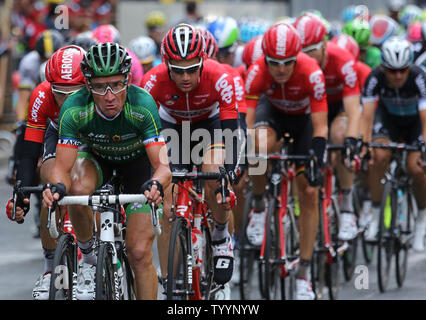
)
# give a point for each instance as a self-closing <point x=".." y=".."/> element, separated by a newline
<point x="119" y="124"/>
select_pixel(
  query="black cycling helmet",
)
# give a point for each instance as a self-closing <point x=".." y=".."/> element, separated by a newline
<point x="48" y="42"/>
<point x="106" y="59"/>
<point x="83" y="40"/>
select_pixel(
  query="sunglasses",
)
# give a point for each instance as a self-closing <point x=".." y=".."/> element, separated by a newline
<point x="189" y="69"/>
<point x="275" y="62"/>
<point x="62" y="93"/>
<point x="313" y="47"/>
<point x="395" y="71"/>
<point x="102" y="88"/>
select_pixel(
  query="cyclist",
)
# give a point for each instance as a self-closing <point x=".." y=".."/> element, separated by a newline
<point x="144" y="48"/>
<point x="287" y="88"/>
<point x="45" y="103"/>
<point x="399" y="86"/>
<point x="119" y="124"/>
<point x="343" y="97"/>
<point x="192" y="93"/>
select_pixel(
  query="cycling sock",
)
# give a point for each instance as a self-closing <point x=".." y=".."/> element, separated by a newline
<point x="346" y="204"/>
<point x="87" y="251"/>
<point x="258" y="203"/>
<point x="375" y="211"/>
<point x="303" y="271"/>
<point x="421" y="215"/>
<point x="220" y="231"/>
<point x="48" y="259"/>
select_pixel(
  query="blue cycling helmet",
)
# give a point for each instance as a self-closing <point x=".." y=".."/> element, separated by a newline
<point x="225" y="30"/>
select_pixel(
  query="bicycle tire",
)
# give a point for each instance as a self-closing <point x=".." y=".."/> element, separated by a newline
<point x="105" y="274"/>
<point x="207" y="267"/>
<point x="385" y="242"/>
<point x="177" y="265"/>
<point x="403" y="244"/>
<point x="272" y="276"/>
<point x="128" y="281"/>
<point x="292" y="247"/>
<point x="332" y="275"/>
<point x="64" y="261"/>
<point x="248" y="256"/>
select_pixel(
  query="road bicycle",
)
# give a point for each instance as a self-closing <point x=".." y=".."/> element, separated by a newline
<point x="278" y="257"/>
<point x="114" y="278"/>
<point x="190" y="266"/>
<point x="331" y="252"/>
<point x="397" y="216"/>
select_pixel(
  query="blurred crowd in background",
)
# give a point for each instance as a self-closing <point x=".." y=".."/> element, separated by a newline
<point x="91" y="21"/>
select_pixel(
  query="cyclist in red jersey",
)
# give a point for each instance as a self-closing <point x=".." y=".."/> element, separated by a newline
<point x="287" y="88"/>
<point x="63" y="77"/>
<point x="343" y="96"/>
<point x="192" y="93"/>
<point x="235" y="222"/>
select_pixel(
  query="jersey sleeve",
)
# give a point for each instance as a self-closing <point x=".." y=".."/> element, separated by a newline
<point x="253" y="85"/>
<point x="420" y="81"/>
<point x="350" y="79"/>
<point x="317" y="94"/>
<point x="68" y="125"/>
<point x="37" y="117"/>
<point x="225" y="90"/>
<point x="370" y="92"/>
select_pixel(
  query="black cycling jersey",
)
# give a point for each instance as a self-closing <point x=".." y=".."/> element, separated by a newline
<point x="403" y="102"/>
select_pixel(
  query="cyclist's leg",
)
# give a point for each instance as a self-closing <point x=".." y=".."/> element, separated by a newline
<point x="347" y="229"/>
<point x="139" y="233"/>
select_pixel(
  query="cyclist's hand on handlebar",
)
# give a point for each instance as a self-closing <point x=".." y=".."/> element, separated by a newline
<point x="153" y="191"/>
<point x="230" y="198"/>
<point x="53" y="192"/>
<point x="20" y="212"/>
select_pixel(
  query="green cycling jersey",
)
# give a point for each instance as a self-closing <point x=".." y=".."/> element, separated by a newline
<point x="121" y="139"/>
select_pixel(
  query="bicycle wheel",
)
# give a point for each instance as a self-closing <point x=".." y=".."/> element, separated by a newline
<point x="64" y="270"/>
<point x="274" y="283"/>
<point x="207" y="266"/>
<point x="332" y="274"/>
<point x="403" y="243"/>
<point x="248" y="256"/>
<point x="127" y="285"/>
<point x="177" y="267"/>
<point x="106" y="275"/>
<point x="292" y="251"/>
<point x="385" y="240"/>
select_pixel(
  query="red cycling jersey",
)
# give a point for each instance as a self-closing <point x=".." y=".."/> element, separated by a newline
<point x="239" y="88"/>
<point x="303" y="93"/>
<point x="42" y="106"/>
<point x="213" y="95"/>
<point x="363" y="70"/>
<point x="340" y="74"/>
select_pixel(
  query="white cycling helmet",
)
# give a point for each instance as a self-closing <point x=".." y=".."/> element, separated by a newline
<point x="396" y="53"/>
<point x="144" y="48"/>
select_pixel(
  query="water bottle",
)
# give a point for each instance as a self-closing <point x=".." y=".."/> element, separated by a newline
<point x="401" y="206"/>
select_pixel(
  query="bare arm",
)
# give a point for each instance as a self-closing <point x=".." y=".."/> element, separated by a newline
<point x="157" y="156"/>
<point x="352" y="109"/>
<point x="422" y="114"/>
<point x="61" y="172"/>
<point x="319" y="122"/>
<point x="367" y="119"/>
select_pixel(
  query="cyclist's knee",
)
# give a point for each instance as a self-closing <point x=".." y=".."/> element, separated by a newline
<point x="140" y="254"/>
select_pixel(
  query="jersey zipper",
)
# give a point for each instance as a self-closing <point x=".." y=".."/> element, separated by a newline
<point x="187" y="106"/>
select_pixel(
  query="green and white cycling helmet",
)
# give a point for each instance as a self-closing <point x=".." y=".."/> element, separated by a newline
<point x="106" y="59"/>
<point x="225" y="30"/>
<point x="358" y="29"/>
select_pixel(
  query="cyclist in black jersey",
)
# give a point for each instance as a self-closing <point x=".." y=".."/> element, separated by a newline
<point x="398" y="87"/>
<point x="120" y="125"/>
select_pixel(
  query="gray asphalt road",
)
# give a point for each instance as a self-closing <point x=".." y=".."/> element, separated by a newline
<point x="21" y="262"/>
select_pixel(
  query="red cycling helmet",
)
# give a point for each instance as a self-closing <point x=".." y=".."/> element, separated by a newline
<point x="252" y="50"/>
<point x="281" y="41"/>
<point x="63" y="67"/>
<point x="183" y="42"/>
<point x="348" y="43"/>
<point x="311" y="29"/>
<point x="212" y="46"/>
